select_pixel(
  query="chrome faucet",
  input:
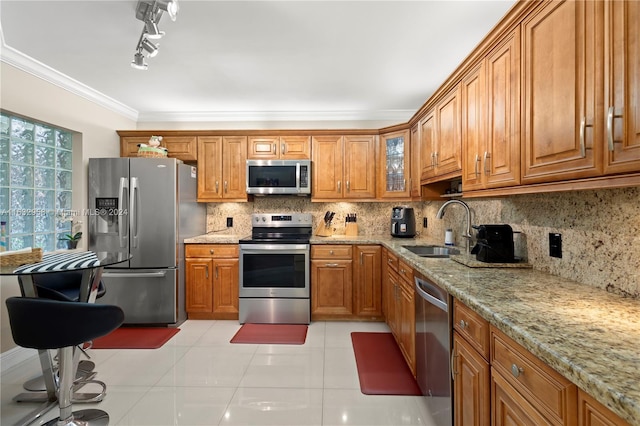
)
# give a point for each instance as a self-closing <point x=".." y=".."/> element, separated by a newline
<point x="468" y="235"/>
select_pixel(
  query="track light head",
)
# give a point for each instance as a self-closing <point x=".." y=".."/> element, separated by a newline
<point x="152" y="30"/>
<point x="169" y="6"/>
<point x="152" y="49"/>
<point x="138" y="62"/>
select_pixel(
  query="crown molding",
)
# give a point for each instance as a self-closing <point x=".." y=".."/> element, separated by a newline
<point x="257" y="116"/>
<point x="17" y="59"/>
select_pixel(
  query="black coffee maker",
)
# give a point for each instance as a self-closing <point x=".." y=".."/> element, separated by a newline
<point x="494" y="244"/>
<point x="403" y="222"/>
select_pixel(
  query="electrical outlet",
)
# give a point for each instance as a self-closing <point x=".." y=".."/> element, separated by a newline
<point x="424" y="222"/>
<point x="555" y="245"/>
<point x="229" y="222"/>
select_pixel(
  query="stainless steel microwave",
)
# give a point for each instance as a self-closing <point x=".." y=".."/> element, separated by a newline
<point x="279" y="177"/>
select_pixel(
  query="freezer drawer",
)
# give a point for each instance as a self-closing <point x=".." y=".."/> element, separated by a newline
<point x="148" y="296"/>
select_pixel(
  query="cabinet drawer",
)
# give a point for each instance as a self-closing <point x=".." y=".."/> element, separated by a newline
<point x="337" y="251"/>
<point x="550" y="393"/>
<point x="472" y="327"/>
<point x="391" y="261"/>
<point x="211" y="250"/>
<point x="406" y="272"/>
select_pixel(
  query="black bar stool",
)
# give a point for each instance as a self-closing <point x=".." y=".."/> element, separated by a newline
<point x="50" y="324"/>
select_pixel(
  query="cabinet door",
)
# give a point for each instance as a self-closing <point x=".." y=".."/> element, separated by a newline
<point x="359" y="167"/>
<point x="407" y="325"/>
<point x="327" y="167"/>
<point x="225" y="287"/>
<point x="593" y="413"/>
<point x="474" y="106"/>
<point x="622" y="85"/>
<point x="394" y="170"/>
<point x="471" y="393"/>
<point x="332" y="288"/>
<point x="184" y="148"/>
<point x="448" y="141"/>
<point x="295" y="147"/>
<point x="263" y="147"/>
<point x="234" y="167"/>
<point x="368" y="285"/>
<point x="415" y="167"/>
<point x="199" y="288"/>
<point x="562" y="62"/>
<point x="209" y="168"/>
<point x="509" y="408"/>
<point x="501" y="165"/>
<point x="427" y="145"/>
<point x="392" y="297"/>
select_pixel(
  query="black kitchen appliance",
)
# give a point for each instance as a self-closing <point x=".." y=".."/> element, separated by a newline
<point x="494" y="244"/>
<point x="403" y="222"/>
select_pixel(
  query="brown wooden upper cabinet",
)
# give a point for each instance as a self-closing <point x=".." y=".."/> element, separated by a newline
<point x="394" y="171"/>
<point x="279" y="147"/>
<point x="344" y="167"/>
<point x="222" y="168"/>
<point x="440" y="147"/>
<point x="490" y="97"/>
<point x="415" y="189"/>
<point x="622" y="86"/>
<point x="562" y="61"/>
<point x="183" y="148"/>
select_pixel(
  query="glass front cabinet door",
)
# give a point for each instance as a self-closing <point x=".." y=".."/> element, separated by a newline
<point x="394" y="165"/>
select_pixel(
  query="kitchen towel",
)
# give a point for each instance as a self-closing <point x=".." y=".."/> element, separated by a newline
<point x="382" y="369"/>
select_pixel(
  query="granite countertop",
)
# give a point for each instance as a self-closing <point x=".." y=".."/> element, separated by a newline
<point x="588" y="335"/>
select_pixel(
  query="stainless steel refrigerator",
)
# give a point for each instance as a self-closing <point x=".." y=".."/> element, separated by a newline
<point x="145" y="207"/>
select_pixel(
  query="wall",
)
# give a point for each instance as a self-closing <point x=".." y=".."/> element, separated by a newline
<point x="24" y="94"/>
<point x="600" y="229"/>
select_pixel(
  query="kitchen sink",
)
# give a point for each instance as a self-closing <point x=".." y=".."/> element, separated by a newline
<point x="432" y="251"/>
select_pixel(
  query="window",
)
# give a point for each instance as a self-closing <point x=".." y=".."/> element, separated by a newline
<point x="35" y="183"/>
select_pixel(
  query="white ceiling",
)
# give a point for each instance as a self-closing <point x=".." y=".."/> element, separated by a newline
<point x="268" y="60"/>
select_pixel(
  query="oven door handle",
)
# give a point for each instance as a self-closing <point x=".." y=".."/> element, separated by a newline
<point x="273" y="248"/>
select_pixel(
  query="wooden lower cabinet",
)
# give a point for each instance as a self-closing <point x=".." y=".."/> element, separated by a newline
<point x="400" y="307"/>
<point x="212" y="281"/>
<point x="331" y="282"/>
<point x="510" y="408"/>
<point x="593" y="413"/>
<point x="368" y="283"/>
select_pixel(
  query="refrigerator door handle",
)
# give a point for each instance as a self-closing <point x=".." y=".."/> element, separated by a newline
<point x="134" y="274"/>
<point x="122" y="234"/>
<point x="133" y="216"/>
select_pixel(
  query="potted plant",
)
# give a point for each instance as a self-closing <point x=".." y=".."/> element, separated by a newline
<point x="71" y="239"/>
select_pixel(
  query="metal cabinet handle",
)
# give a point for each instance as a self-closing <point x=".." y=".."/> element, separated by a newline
<point x="206" y="271"/>
<point x="476" y="172"/>
<point x="435" y="159"/>
<point x="463" y="324"/>
<point x="216" y="273"/>
<point x="331" y="252"/>
<point x="362" y="258"/>
<point x="516" y="371"/>
<point x="348" y="186"/>
<point x="210" y="251"/>
<point x="274" y="148"/>
<point x="339" y="186"/>
<point x="217" y="186"/>
<point x="487" y="156"/>
<point x="226" y="187"/>
<point x="583" y="146"/>
<point x="390" y="260"/>
<point x="283" y="148"/>
<point x="610" y="116"/>
<point x="331" y="265"/>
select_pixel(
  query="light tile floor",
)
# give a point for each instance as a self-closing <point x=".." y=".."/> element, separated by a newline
<point x="199" y="378"/>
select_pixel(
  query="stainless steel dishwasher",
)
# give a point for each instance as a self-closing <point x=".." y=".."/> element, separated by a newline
<point x="433" y="349"/>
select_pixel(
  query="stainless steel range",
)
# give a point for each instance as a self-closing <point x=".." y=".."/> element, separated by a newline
<point x="274" y="270"/>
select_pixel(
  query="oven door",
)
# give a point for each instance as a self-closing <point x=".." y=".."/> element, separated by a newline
<point x="274" y="270"/>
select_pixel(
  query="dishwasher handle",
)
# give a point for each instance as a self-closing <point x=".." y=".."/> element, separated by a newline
<point x="432" y="294"/>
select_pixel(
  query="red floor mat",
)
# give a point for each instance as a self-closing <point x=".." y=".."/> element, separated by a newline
<point x="135" y="338"/>
<point x="271" y="334"/>
<point x="382" y="369"/>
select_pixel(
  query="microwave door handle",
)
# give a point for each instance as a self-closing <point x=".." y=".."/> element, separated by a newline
<point x="123" y="231"/>
<point x="298" y="176"/>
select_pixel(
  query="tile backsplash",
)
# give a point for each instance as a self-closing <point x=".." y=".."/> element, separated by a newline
<point x="600" y="229"/>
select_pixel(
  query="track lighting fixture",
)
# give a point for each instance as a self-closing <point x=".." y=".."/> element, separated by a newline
<point x="150" y="12"/>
